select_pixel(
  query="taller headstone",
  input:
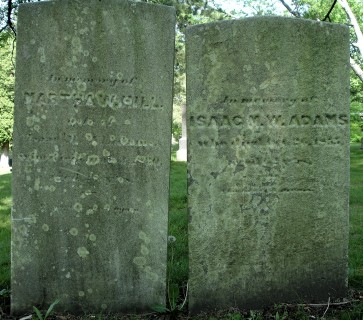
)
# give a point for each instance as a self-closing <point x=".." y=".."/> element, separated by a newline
<point x="268" y="152"/>
<point x="91" y="155"/>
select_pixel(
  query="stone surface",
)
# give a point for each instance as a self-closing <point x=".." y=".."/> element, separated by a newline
<point x="268" y="162"/>
<point x="91" y="155"/>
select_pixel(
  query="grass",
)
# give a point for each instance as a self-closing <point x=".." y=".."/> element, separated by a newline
<point x="356" y="218"/>
<point x="178" y="252"/>
<point x="178" y="226"/>
<point x="5" y="204"/>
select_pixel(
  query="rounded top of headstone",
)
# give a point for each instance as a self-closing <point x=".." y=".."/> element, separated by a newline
<point x="268" y="21"/>
<point x="64" y="3"/>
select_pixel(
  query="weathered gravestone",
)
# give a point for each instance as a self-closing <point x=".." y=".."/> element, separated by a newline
<point x="268" y="171"/>
<point x="91" y="155"/>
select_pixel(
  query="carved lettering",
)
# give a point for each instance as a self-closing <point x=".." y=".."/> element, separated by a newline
<point x="127" y="210"/>
<point x="237" y="120"/>
<point x="118" y="79"/>
<point x="83" y="159"/>
<point x="243" y="142"/>
<point x="275" y="119"/>
<point x="92" y="100"/>
<point x="125" y="141"/>
<point x="148" y="160"/>
<point x="343" y="119"/>
<point x="268" y="100"/>
<point x="269" y="120"/>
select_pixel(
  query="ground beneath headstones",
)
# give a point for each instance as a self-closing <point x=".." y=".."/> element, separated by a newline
<point x="348" y="308"/>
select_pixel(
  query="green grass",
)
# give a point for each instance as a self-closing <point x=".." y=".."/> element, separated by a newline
<point x="356" y="217"/>
<point x="178" y="249"/>
<point x="178" y="227"/>
<point x="5" y="205"/>
<point x="5" y="208"/>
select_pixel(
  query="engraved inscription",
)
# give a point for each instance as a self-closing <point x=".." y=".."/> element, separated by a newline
<point x="38" y="103"/>
<point x="264" y="140"/>
<point x="117" y="78"/>
<point x="99" y="99"/>
<point x="91" y="160"/>
<point x="268" y="120"/>
<point x="269" y="100"/>
<point x="266" y="145"/>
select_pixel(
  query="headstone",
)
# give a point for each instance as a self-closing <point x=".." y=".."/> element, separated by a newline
<point x="91" y="155"/>
<point x="268" y="171"/>
<point x="181" y="154"/>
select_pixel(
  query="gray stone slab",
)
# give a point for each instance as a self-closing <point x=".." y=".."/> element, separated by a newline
<point x="91" y="155"/>
<point x="268" y="170"/>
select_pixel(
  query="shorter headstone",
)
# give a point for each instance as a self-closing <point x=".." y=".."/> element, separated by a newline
<point x="268" y="162"/>
<point x="181" y="154"/>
